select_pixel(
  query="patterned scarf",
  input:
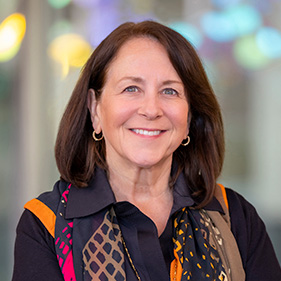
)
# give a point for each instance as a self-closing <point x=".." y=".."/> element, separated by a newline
<point x="103" y="254"/>
<point x="196" y="247"/>
<point x="197" y="244"/>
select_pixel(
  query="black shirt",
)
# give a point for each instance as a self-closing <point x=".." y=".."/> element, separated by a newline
<point x="35" y="256"/>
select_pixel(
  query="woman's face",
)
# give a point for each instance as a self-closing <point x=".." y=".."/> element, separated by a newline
<point x="143" y="110"/>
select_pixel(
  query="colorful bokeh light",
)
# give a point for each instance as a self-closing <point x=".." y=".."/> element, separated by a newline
<point x="70" y="50"/>
<point x="269" y="42"/>
<point x="189" y="31"/>
<point x="246" y="19"/>
<point x="12" y="31"/>
<point x="59" y="28"/>
<point x="218" y="27"/>
<point x="225" y="3"/>
<point x="231" y="23"/>
<point x="248" y="54"/>
<point x="86" y="3"/>
<point x="59" y="4"/>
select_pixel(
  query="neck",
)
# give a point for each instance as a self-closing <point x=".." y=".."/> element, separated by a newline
<point x="137" y="185"/>
<point x="146" y="188"/>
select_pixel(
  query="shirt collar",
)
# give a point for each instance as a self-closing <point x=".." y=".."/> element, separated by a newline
<point x="98" y="195"/>
<point x="91" y="199"/>
<point x="214" y="205"/>
<point x="182" y="197"/>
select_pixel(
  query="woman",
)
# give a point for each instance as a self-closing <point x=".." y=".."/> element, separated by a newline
<point x="139" y="150"/>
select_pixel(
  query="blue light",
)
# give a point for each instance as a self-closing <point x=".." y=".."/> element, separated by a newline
<point x="245" y="18"/>
<point x="269" y="42"/>
<point x="190" y="32"/>
<point x="218" y="27"/>
<point x="231" y="23"/>
<point x="225" y="3"/>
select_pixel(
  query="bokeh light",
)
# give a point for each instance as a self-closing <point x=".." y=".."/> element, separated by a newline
<point x="248" y="54"/>
<point x="9" y="53"/>
<point x="12" y="31"/>
<point x="245" y="18"/>
<point x="59" y="28"/>
<point x="98" y="26"/>
<point x="86" y="3"/>
<point x="70" y="50"/>
<point x="58" y="4"/>
<point x="218" y="27"/>
<point x="224" y="3"/>
<point x="231" y="23"/>
<point x="189" y="31"/>
<point x="269" y="42"/>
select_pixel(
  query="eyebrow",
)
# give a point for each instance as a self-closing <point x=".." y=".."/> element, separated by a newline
<point x="140" y="80"/>
<point x="132" y="78"/>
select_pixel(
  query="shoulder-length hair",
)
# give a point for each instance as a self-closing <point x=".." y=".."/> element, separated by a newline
<point x="201" y="161"/>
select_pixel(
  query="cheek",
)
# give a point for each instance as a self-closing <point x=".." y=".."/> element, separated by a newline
<point x="115" y="114"/>
<point x="180" y="117"/>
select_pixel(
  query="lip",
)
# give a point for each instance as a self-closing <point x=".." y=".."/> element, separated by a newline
<point x="147" y="132"/>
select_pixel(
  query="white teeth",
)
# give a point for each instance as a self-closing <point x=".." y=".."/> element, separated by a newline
<point x="146" y="133"/>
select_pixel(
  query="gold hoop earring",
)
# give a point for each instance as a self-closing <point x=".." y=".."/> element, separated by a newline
<point x="95" y="137"/>
<point x="187" y="141"/>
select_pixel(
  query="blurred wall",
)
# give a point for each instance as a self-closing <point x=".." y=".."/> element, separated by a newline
<point x="240" y="45"/>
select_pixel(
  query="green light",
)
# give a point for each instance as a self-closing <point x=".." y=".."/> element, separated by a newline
<point x="58" y="4"/>
<point x="59" y="28"/>
<point x="248" y="54"/>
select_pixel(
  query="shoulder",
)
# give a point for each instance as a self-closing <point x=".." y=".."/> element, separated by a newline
<point x="36" y="227"/>
<point x="45" y="206"/>
<point x="244" y="217"/>
<point x="34" y="250"/>
<point x="252" y="239"/>
<point x="52" y="198"/>
<point x="239" y="208"/>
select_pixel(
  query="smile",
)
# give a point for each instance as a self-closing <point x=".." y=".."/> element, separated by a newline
<point x="146" y="132"/>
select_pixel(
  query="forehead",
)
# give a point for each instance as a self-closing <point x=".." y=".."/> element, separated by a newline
<point x="138" y="45"/>
<point x="140" y="52"/>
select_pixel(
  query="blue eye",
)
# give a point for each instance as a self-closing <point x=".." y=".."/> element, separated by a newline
<point x="131" y="89"/>
<point x="170" y="92"/>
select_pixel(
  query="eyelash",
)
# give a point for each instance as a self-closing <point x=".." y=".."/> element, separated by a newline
<point x="130" y="88"/>
<point x="175" y="93"/>
<point x="133" y="89"/>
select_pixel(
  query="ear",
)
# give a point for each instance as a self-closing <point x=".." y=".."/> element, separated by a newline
<point x="93" y="107"/>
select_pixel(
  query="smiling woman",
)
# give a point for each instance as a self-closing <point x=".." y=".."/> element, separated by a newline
<point x="143" y="116"/>
<point x="206" y="151"/>
<point x="139" y="149"/>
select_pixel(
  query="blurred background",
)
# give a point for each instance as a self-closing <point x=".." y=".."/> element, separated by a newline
<point x="44" y="43"/>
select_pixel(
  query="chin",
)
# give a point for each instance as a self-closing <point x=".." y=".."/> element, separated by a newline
<point x="149" y="162"/>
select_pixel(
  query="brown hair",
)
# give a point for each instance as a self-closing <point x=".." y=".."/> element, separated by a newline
<point x="201" y="161"/>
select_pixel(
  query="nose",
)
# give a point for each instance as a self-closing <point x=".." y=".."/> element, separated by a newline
<point x="150" y="106"/>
